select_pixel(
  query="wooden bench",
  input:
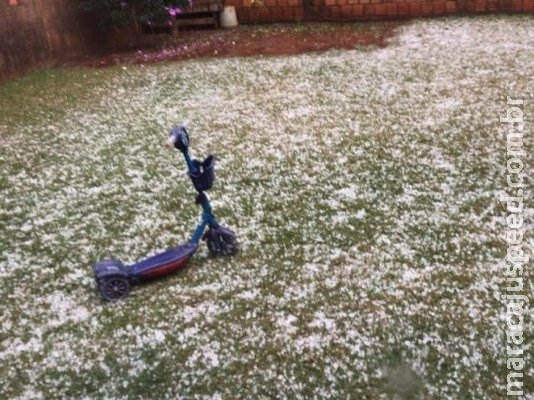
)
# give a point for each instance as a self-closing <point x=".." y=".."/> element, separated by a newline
<point x="202" y="13"/>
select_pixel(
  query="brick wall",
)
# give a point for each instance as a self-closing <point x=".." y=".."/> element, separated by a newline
<point x="354" y="10"/>
<point x="36" y="33"/>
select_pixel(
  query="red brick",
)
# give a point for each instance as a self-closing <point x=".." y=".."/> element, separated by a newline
<point x="368" y="10"/>
<point x="336" y="11"/>
<point x="505" y="5"/>
<point x="439" y="7"/>
<point x="357" y="10"/>
<point x="516" y="5"/>
<point x="346" y="10"/>
<point x="427" y="9"/>
<point x="415" y="9"/>
<point x="481" y="5"/>
<point x="289" y="13"/>
<point x="450" y="6"/>
<point x="277" y="14"/>
<point x="469" y="6"/>
<point x="528" y="5"/>
<point x="264" y="14"/>
<point x="381" y="9"/>
<point x="329" y="2"/>
<point x="243" y="15"/>
<point x="403" y="9"/>
<point x="391" y="9"/>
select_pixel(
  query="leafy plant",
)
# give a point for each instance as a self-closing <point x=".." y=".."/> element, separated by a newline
<point x="120" y="13"/>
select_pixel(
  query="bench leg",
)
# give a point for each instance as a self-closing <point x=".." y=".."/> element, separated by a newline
<point x="174" y="26"/>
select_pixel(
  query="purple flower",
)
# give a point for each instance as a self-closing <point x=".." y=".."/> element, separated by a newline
<point x="174" y="11"/>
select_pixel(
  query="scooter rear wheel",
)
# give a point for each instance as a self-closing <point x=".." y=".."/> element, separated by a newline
<point x="113" y="288"/>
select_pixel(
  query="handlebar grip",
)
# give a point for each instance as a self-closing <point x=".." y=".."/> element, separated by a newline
<point x="179" y="138"/>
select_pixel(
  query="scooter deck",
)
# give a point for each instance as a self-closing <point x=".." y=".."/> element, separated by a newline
<point x="163" y="263"/>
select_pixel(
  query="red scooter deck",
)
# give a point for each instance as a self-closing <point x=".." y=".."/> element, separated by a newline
<point x="163" y="263"/>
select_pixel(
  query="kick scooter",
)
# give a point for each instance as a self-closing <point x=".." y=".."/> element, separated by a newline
<point x="114" y="279"/>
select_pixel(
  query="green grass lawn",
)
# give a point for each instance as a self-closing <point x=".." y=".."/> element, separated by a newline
<point x="364" y="187"/>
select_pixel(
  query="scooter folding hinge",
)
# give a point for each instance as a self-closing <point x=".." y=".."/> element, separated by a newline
<point x="201" y="198"/>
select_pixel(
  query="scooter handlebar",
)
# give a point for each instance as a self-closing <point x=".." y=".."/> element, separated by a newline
<point x="179" y="138"/>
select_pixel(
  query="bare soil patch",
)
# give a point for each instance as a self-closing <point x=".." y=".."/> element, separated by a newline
<point x="249" y="40"/>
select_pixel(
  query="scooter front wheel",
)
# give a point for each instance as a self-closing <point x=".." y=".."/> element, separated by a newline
<point x="113" y="288"/>
<point x="221" y="241"/>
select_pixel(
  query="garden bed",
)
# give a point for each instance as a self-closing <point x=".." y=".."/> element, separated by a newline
<point x="249" y="40"/>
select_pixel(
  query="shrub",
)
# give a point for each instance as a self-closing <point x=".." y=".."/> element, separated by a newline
<point x="120" y="13"/>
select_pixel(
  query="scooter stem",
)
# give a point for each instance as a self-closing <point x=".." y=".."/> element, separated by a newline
<point x="190" y="166"/>
<point x="207" y="217"/>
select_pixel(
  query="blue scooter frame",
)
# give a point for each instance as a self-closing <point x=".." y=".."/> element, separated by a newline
<point x="114" y="279"/>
